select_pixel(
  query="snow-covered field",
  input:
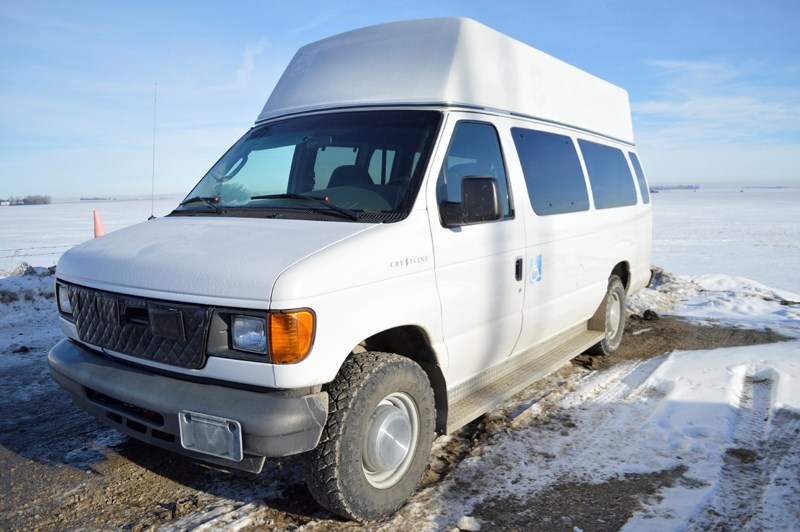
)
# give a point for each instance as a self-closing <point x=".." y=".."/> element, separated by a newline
<point x="39" y="234"/>
<point x="722" y="424"/>
<point x="753" y="233"/>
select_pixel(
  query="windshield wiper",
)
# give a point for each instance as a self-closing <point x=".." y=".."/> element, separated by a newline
<point x="209" y="201"/>
<point x="352" y="215"/>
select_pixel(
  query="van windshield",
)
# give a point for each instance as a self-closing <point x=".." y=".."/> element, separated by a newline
<point x="352" y="166"/>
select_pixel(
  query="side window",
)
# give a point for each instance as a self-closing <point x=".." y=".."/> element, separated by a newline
<point x="474" y="151"/>
<point x="380" y="165"/>
<point x="553" y="173"/>
<point x="609" y="174"/>
<point x="637" y="168"/>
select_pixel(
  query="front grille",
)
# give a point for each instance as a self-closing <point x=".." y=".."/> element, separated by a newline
<point x="160" y="331"/>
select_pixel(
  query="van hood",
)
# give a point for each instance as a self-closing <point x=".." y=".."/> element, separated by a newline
<point x="207" y="260"/>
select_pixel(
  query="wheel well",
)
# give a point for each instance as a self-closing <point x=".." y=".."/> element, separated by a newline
<point x="412" y="343"/>
<point x="623" y="271"/>
<point x="598" y="320"/>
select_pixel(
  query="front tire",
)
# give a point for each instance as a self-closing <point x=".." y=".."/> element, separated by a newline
<point x="377" y="440"/>
<point x="613" y="313"/>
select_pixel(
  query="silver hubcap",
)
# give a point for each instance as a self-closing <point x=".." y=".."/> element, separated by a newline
<point x="390" y="440"/>
<point x="613" y="313"/>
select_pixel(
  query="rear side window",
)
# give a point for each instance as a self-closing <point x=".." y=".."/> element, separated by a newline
<point x="553" y="173"/>
<point x="609" y="174"/>
<point x="637" y="168"/>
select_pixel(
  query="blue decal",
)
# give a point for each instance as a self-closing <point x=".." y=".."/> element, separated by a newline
<point x="536" y="269"/>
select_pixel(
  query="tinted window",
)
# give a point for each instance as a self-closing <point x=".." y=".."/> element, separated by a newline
<point x="609" y="174"/>
<point x="552" y="172"/>
<point x="637" y="168"/>
<point x="380" y="165"/>
<point x="474" y="151"/>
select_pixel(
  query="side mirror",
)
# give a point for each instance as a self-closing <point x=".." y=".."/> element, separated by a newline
<point x="480" y="202"/>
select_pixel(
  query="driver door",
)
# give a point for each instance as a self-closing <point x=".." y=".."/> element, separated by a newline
<point x="477" y="269"/>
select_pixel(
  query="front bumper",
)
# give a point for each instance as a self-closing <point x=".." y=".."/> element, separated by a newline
<point x="145" y="406"/>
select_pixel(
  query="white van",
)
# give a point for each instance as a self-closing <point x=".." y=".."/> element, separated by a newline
<point x="426" y="217"/>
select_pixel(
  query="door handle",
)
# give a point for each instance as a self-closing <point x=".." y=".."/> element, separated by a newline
<point x="518" y="269"/>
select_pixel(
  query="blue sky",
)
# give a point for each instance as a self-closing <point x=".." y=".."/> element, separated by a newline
<point x="714" y="85"/>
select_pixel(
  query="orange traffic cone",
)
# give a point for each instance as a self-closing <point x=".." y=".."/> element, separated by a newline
<point x="99" y="230"/>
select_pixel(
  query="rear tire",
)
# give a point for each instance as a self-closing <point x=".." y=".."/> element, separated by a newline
<point x="377" y="440"/>
<point x="613" y="312"/>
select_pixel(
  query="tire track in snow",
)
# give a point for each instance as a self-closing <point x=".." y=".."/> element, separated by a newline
<point x="610" y="407"/>
<point x="738" y="492"/>
<point x="764" y="453"/>
<point x="556" y="439"/>
<point x="623" y="381"/>
<point x="781" y="471"/>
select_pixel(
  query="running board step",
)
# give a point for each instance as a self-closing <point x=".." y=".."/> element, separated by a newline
<point x="483" y="392"/>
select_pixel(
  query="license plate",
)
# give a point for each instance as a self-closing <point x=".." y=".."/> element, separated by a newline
<point x="212" y="435"/>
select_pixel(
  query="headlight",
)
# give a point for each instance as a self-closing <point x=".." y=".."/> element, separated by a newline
<point x="63" y="299"/>
<point x="285" y="337"/>
<point x="249" y="333"/>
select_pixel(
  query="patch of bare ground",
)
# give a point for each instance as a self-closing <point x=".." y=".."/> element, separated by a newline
<point x="652" y="335"/>
<point x="570" y="506"/>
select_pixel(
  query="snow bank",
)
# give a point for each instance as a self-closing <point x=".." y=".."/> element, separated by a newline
<point x="723" y="299"/>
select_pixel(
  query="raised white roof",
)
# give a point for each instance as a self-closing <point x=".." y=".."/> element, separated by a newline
<point x="452" y="61"/>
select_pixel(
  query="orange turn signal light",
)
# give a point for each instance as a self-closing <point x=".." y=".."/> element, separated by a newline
<point x="290" y="336"/>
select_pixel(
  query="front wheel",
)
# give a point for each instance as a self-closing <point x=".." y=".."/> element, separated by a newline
<point x="377" y="439"/>
<point x="613" y="310"/>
